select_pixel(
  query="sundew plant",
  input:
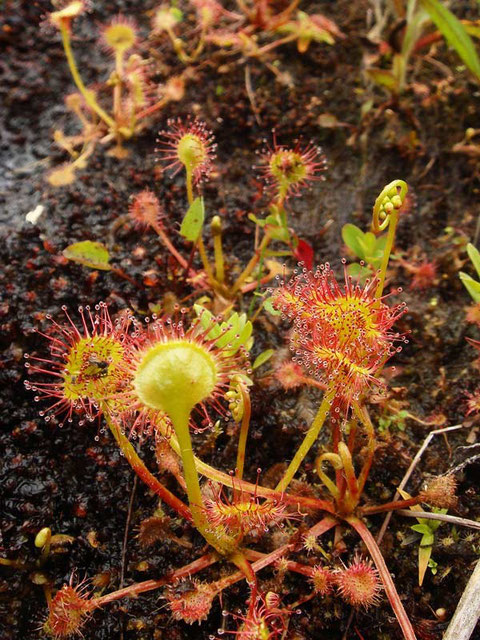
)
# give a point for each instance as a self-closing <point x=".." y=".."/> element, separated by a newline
<point x="168" y="377"/>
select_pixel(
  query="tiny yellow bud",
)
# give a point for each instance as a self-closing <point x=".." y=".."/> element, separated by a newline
<point x="216" y="226"/>
<point x="397" y="201"/>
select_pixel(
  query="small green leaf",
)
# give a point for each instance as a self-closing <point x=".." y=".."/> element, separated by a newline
<point x="474" y="256"/>
<point x="454" y="33"/>
<point x="368" y="243"/>
<point x="235" y="332"/>
<point x="176" y="13"/>
<point x="262" y="358"/>
<point x="275" y="228"/>
<point x="352" y="237"/>
<point x="424" y="554"/>
<point x="207" y="321"/>
<point x="193" y="221"/>
<point x="253" y="218"/>
<point x="471" y="285"/>
<point x="91" y="254"/>
<point x="424" y="529"/>
<point x="433" y="566"/>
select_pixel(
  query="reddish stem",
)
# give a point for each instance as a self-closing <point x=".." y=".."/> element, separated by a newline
<point x="149" y="585"/>
<point x="134" y="460"/>
<point x="151" y="109"/>
<point x="391" y="506"/>
<point x="336" y="436"/>
<point x="168" y="244"/>
<point x="121" y="274"/>
<point x="397" y="606"/>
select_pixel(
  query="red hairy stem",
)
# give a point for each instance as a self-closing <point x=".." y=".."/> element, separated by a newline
<point x="149" y="585"/>
<point x="264" y="560"/>
<point x="317" y="530"/>
<point x="261" y="563"/>
<point x="166" y="241"/>
<point x="151" y="109"/>
<point x="427" y="40"/>
<point x="283" y="16"/>
<point x="291" y="565"/>
<point x="392" y="594"/>
<point x="391" y="506"/>
<point x="303" y="569"/>
<point x="144" y="474"/>
<point x="322" y="526"/>
<point x="351" y="447"/>
<point x="251" y="286"/>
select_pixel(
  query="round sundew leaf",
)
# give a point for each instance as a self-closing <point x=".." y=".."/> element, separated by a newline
<point x="91" y="254"/>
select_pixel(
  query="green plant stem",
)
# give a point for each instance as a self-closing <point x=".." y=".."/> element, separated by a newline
<point x="252" y="264"/>
<point x="89" y="99"/>
<point x="200" y="45"/>
<point x="336" y="437"/>
<point x="15" y="564"/>
<point x="144" y="474"/>
<point x="223" y="544"/>
<point x="182" y="430"/>
<point x="227" y="480"/>
<point x="117" y="89"/>
<point x="309" y="440"/>
<point x="242" y="441"/>
<point x="218" y="253"/>
<point x="392" y="594"/>
<point x="392" y="227"/>
<point x="205" y="261"/>
<point x="178" y="46"/>
<point x="199" y="243"/>
<point x="336" y="462"/>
